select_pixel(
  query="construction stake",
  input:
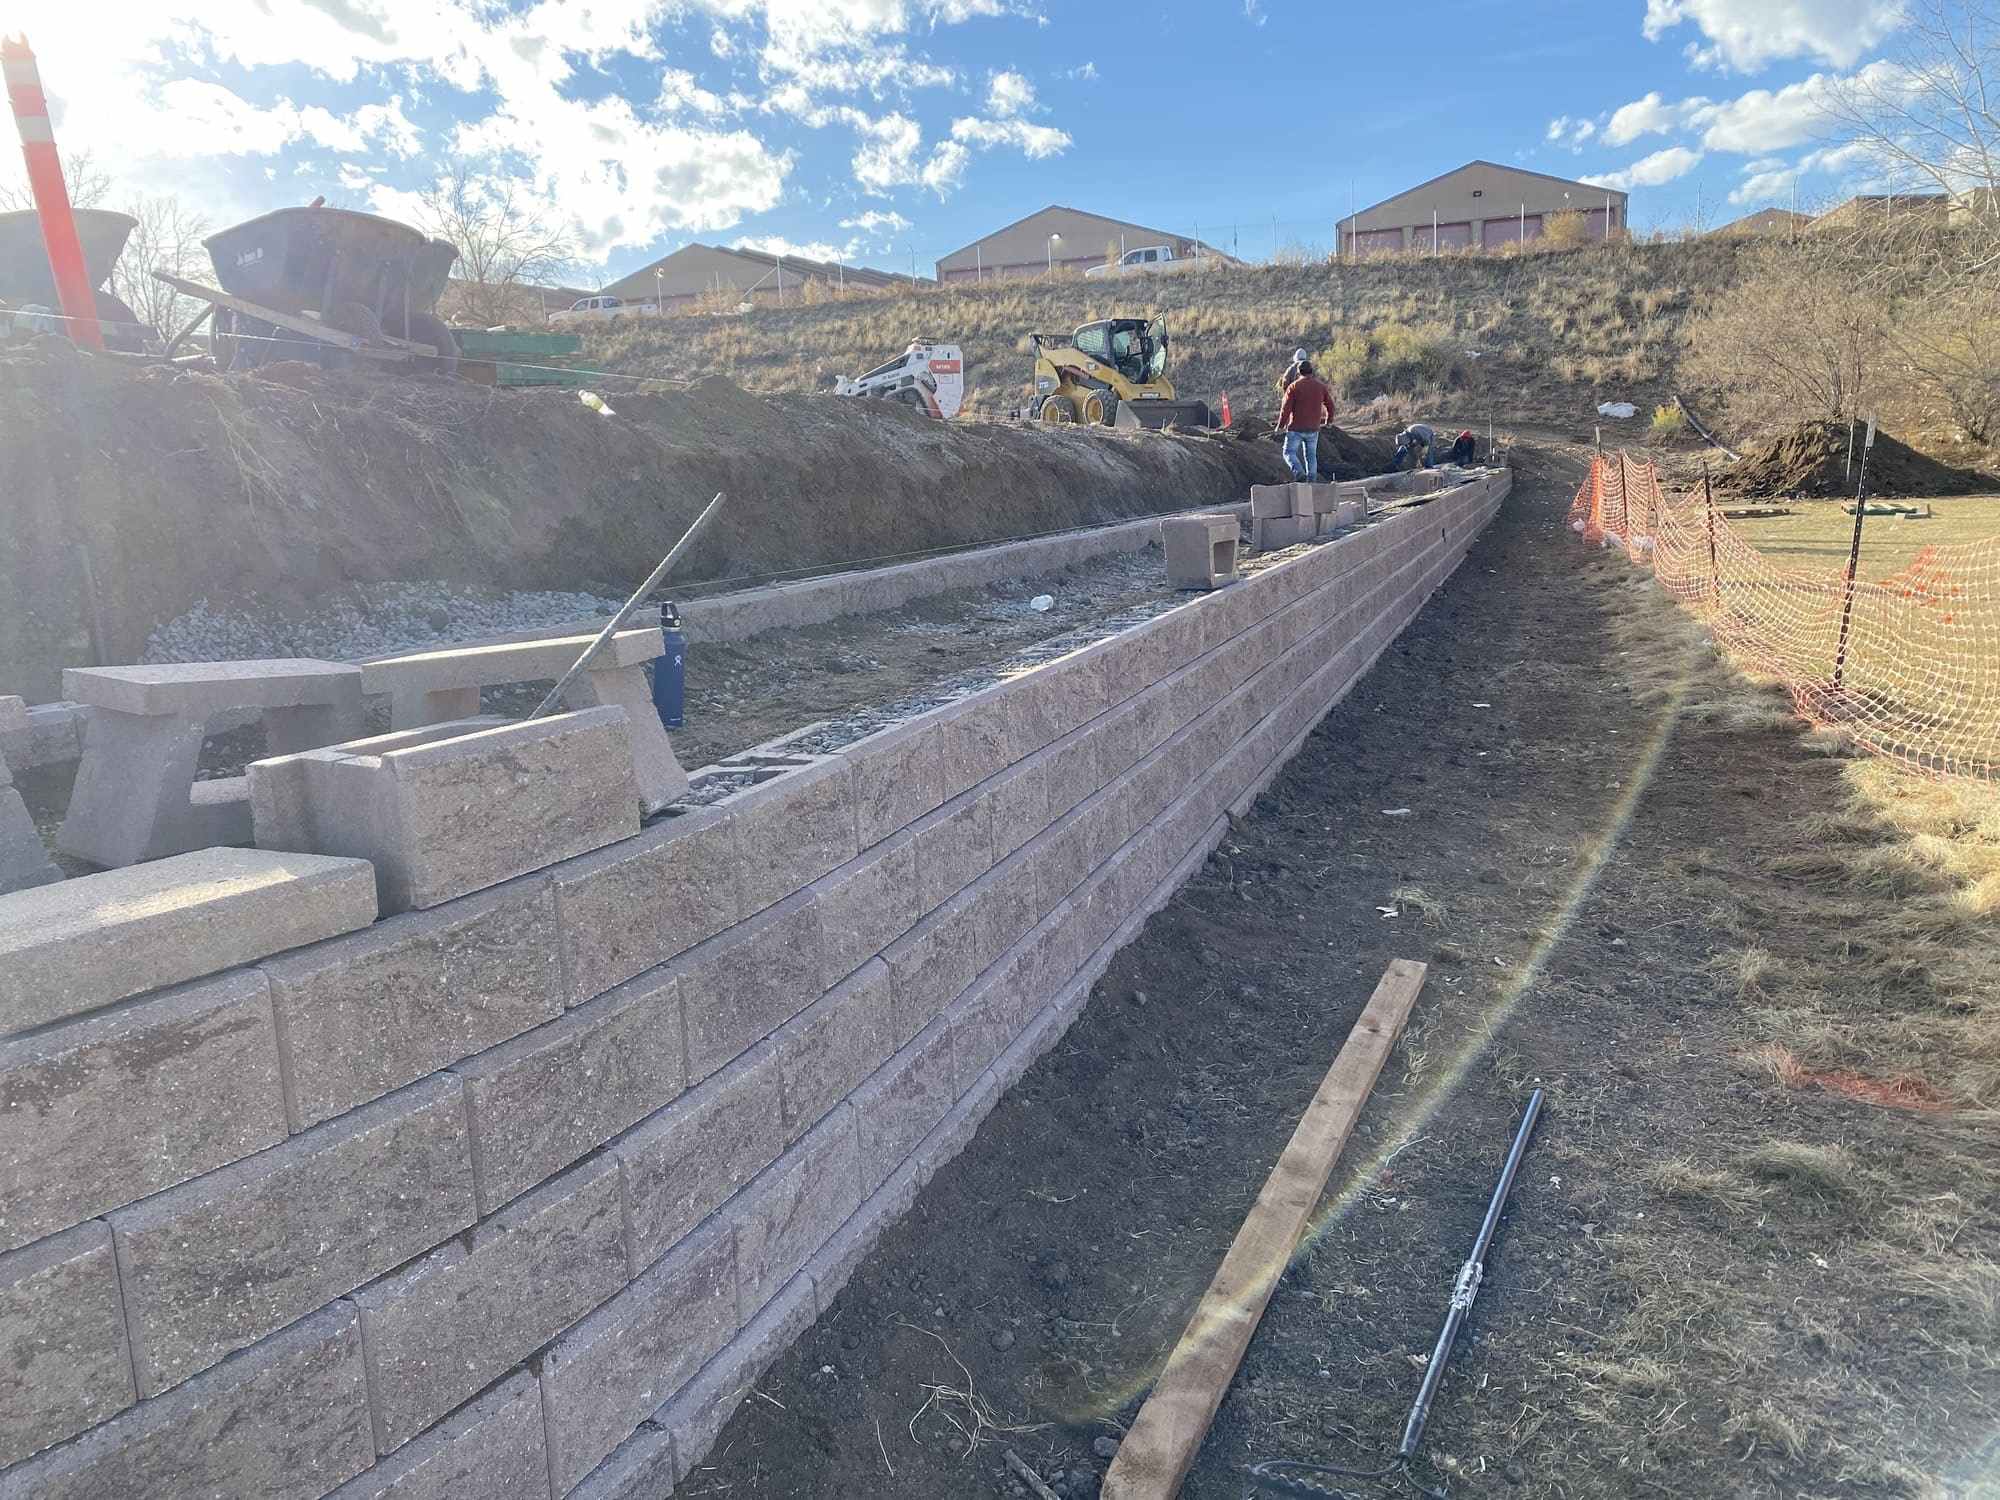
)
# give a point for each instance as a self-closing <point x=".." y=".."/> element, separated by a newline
<point x="1027" y="1475"/>
<point x="659" y="574"/>
<point x="1155" y="1457"/>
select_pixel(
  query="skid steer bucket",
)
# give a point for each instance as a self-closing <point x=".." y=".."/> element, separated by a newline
<point x="1154" y="415"/>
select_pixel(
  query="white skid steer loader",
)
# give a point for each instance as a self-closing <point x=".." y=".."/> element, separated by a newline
<point x="927" y="376"/>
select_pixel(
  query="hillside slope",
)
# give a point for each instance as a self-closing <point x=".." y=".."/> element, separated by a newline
<point x="1537" y="337"/>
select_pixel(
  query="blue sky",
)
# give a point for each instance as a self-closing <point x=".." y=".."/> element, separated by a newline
<point x="885" y="129"/>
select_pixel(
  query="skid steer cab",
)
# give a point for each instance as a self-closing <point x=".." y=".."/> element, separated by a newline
<point x="1110" y="374"/>
<point x="927" y="376"/>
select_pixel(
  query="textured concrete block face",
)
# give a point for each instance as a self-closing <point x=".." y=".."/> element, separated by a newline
<point x="977" y="740"/>
<point x="898" y="777"/>
<point x="742" y="986"/>
<point x="457" y="814"/>
<point x="646" y="900"/>
<point x="897" y="1107"/>
<point x="216" y="1264"/>
<point x="640" y="1468"/>
<point x="287" y="1420"/>
<point x="98" y="1113"/>
<point x="1201" y="550"/>
<point x="63" y="1328"/>
<point x="930" y="965"/>
<point x="618" y="1366"/>
<point x="366" y="1014"/>
<point x="493" y="1447"/>
<point x="1268" y="501"/>
<point x="655" y="768"/>
<point x="206" y="688"/>
<point x="72" y="947"/>
<point x="793" y="830"/>
<point x="793" y="1208"/>
<point x="695" y="1418"/>
<point x="1020" y="805"/>
<point x="685" y="1162"/>
<point x="954" y="848"/>
<point x="838" y="1041"/>
<point x="439" y="1331"/>
<point x="13" y="714"/>
<point x="542" y="1100"/>
<point x="866" y="905"/>
<point x="24" y="862"/>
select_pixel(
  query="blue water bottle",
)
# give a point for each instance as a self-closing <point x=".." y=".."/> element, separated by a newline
<point x="670" y="670"/>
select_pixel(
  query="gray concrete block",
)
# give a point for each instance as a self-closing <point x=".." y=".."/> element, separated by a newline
<point x="865" y="905"/>
<point x="1270" y="501"/>
<point x="462" y="812"/>
<point x="987" y="1017"/>
<point x="830" y="1047"/>
<point x="73" y="947"/>
<point x="287" y="1420"/>
<point x="440" y="1330"/>
<point x="691" y="1157"/>
<point x="932" y="963"/>
<point x="740" y="987"/>
<point x="63" y="1328"/>
<point x="1009" y="905"/>
<point x="640" y="1468"/>
<point x="98" y="1113"/>
<point x="793" y="830"/>
<point x="1020" y="797"/>
<point x="1200" y="550"/>
<point x="978" y="739"/>
<point x="13" y="714"/>
<point x="543" y="1100"/>
<point x="218" y="1263"/>
<point x="492" y="1447"/>
<point x="365" y="1014"/>
<point x="656" y="770"/>
<point x="793" y="1208"/>
<point x="835" y="1263"/>
<point x="206" y="688"/>
<point x="641" y="902"/>
<point x="696" y="1416"/>
<point x="898" y="777"/>
<point x="619" y="1365"/>
<point x="902" y="1100"/>
<point x="954" y="847"/>
<point x="24" y="860"/>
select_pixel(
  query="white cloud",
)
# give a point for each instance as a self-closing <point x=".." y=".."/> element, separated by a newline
<point x="1755" y="123"/>
<point x="1747" y="34"/>
<point x="1254" y="10"/>
<point x="680" y="93"/>
<point x="777" y="244"/>
<point x="1087" y="72"/>
<point x="1651" y="115"/>
<point x="1650" y="171"/>
<point x="1010" y="94"/>
<point x="879" y="222"/>
<point x="1563" y="131"/>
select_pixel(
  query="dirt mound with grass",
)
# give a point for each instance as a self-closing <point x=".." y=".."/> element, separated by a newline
<point x="1342" y="454"/>
<point x="1811" y="461"/>
<point x="131" y="494"/>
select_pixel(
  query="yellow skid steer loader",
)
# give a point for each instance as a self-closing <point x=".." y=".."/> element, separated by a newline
<point x="1110" y="374"/>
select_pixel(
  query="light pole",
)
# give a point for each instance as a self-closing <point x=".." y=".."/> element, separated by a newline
<point x="1052" y="255"/>
<point x="659" y="292"/>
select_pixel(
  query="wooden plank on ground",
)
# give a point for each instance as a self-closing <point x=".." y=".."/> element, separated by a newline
<point x="298" y="323"/>
<point x="1156" y="1455"/>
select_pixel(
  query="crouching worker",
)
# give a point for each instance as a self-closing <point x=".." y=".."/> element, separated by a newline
<point x="1463" y="450"/>
<point x="1414" y="442"/>
<point x="1307" y="408"/>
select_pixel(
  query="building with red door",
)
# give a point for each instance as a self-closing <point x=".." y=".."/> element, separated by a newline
<point x="1481" y="205"/>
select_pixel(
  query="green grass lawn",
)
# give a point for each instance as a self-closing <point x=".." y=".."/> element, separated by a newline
<point x="1816" y="536"/>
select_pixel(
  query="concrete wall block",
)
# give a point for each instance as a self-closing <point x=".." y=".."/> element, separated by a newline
<point x="691" y="1157"/>
<point x="696" y="1416"/>
<point x="1076" y="768"/>
<point x="1080" y="689"/>
<point x="899" y="1104"/>
<point x="362" y="1015"/>
<point x="987" y="1017"/>
<point x="492" y="1447"/>
<point x="97" y="1113"/>
<point x="828" y="1049"/>
<point x="287" y="1420"/>
<point x="949" y="1138"/>
<point x="63" y="1327"/>
<point x="640" y="1468"/>
<point x="543" y="1100"/>
<point x="793" y="1208"/>
<point x="1020" y="798"/>
<point x="616" y="1368"/>
<point x="1009" y="906"/>
<point x="898" y="777"/>
<point x="980" y="736"/>
<point x="81" y="944"/>
<point x="625" y="909"/>
<point x="1155" y="782"/>
<point x="213" y="1265"/>
<point x="793" y="830"/>
<point x="954" y="847"/>
<point x="852" y="1243"/>
<point x="440" y="1330"/>
<point x="743" y="985"/>
<point x="1270" y="501"/>
<point x="931" y="964"/>
<point x="865" y="905"/>
<point x="1056" y="946"/>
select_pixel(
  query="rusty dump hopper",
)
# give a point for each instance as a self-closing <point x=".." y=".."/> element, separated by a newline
<point x="356" y="271"/>
<point x="24" y="264"/>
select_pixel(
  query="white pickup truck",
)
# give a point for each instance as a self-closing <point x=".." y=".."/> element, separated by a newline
<point x="602" y="309"/>
<point x="1145" y="258"/>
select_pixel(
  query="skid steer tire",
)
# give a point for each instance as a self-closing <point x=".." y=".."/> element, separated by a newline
<point x="1058" y="409"/>
<point x="1100" y="409"/>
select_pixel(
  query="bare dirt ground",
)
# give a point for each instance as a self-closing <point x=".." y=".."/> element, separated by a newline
<point x="1732" y="1268"/>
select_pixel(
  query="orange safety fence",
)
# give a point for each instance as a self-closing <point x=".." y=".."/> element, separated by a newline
<point x="1909" y="663"/>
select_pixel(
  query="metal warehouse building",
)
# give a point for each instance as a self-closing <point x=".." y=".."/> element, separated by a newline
<point x="1479" y="204"/>
<point x="1058" y="238"/>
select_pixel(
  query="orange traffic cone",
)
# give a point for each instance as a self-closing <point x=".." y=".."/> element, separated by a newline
<point x="1225" y="409"/>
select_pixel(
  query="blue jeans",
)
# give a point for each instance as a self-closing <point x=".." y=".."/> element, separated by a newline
<point x="1403" y="457"/>
<point x="1302" y="454"/>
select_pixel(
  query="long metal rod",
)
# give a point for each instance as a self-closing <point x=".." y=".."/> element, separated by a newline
<point x="1853" y="561"/>
<point x="651" y="583"/>
<point x="1469" y="1277"/>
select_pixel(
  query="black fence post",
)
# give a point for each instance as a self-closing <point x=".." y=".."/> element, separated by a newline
<point x="1853" y="561"/>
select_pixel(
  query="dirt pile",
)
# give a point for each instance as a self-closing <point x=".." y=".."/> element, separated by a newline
<point x="1812" y="461"/>
<point x="1342" y="454"/>
<point x="132" y="494"/>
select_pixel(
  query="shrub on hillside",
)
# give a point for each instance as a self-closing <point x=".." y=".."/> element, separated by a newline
<point x="1567" y="230"/>
<point x="1345" y="361"/>
<point x="1423" y="354"/>
<point x="1668" y="421"/>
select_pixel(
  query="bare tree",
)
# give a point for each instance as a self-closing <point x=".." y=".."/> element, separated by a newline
<point x="89" y="185"/>
<point x="167" y="238"/>
<point x="506" y="242"/>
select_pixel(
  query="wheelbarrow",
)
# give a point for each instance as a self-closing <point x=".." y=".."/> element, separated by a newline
<point x="25" y="276"/>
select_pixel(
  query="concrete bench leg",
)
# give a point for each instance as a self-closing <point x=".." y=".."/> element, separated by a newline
<point x="134" y="796"/>
<point x="654" y="765"/>
<point x="415" y="710"/>
<point x="23" y="860"/>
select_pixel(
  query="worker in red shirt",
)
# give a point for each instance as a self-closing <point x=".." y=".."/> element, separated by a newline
<point x="1307" y="408"/>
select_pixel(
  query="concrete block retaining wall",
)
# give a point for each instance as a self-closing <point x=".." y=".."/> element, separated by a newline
<point x="543" y="1177"/>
